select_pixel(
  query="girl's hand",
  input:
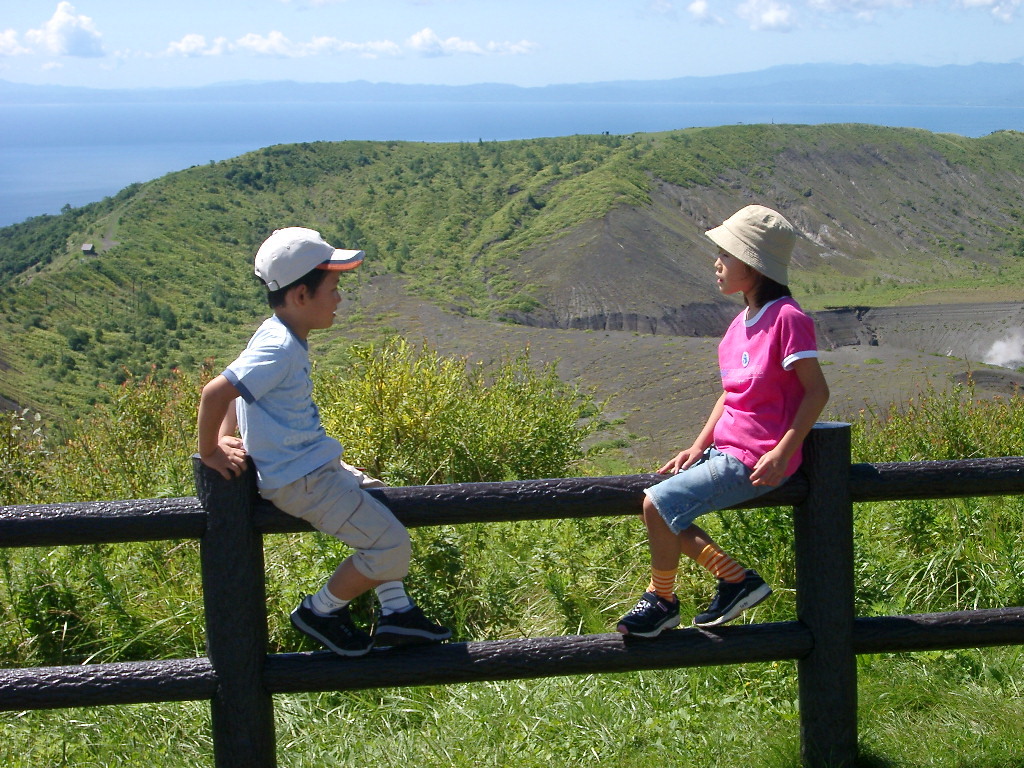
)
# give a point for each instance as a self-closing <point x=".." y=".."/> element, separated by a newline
<point x="681" y="461"/>
<point x="770" y="469"/>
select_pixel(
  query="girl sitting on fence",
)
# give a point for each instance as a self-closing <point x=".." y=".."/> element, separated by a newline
<point x="774" y="391"/>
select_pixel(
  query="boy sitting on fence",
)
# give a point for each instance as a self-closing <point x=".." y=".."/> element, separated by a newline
<point x="266" y="395"/>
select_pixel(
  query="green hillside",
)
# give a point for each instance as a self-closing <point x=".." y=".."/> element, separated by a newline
<point x="593" y="232"/>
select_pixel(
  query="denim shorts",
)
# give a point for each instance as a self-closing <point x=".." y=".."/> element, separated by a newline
<point x="718" y="480"/>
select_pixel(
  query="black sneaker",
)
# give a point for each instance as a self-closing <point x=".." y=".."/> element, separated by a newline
<point x="408" y="627"/>
<point x="335" y="631"/>
<point x="733" y="599"/>
<point x="650" y="616"/>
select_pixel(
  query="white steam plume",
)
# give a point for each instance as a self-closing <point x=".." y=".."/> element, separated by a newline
<point x="1008" y="352"/>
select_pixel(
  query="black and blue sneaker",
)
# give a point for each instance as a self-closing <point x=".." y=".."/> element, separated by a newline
<point x="334" y="631"/>
<point x="409" y="627"/>
<point x="733" y="599"/>
<point x="650" y="616"/>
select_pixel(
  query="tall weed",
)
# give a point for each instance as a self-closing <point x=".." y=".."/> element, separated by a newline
<point x="941" y="554"/>
<point x="936" y="425"/>
<point x="22" y="455"/>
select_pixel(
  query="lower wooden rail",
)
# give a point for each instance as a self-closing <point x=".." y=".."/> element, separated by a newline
<point x="194" y="679"/>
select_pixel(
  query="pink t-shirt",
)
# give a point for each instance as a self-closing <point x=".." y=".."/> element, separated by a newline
<point x="762" y="391"/>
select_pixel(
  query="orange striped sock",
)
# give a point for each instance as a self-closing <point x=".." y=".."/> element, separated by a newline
<point x="663" y="583"/>
<point x="720" y="564"/>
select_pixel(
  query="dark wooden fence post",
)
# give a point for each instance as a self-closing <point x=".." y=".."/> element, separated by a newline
<point x="234" y="592"/>
<point x="823" y="534"/>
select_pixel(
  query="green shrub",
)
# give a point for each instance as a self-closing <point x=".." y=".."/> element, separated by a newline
<point x="413" y="417"/>
<point x="136" y="446"/>
<point x="941" y="425"/>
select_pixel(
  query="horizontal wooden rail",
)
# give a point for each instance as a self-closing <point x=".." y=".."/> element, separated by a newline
<point x="955" y="479"/>
<point x="417" y="506"/>
<point x="194" y="679"/>
<point x="90" y="685"/>
<point x="535" y="658"/>
<point x="939" y="631"/>
<point x="101" y="522"/>
<point x="557" y="656"/>
<point x="587" y="654"/>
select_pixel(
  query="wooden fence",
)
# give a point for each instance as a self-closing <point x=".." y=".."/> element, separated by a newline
<point x="239" y="678"/>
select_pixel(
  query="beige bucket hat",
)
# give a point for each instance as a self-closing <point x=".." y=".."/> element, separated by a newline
<point x="760" y="237"/>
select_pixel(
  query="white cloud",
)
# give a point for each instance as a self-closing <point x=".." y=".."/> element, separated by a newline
<point x="277" y="45"/>
<point x="9" y="45"/>
<point x="514" y="49"/>
<point x="427" y="43"/>
<point x="196" y="45"/>
<point x="274" y="44"/>
<point x="701" y="12"/>
<point x="661" y="7"/>
<point x="189" y="45"/>
<point x="1004" y="10"/>
<point x="767" y="15"/>
<point x="859" y="6"/>
<point x="370" y="50"/>
<point x="67" y="34"/>
<point x="865" y="10"/>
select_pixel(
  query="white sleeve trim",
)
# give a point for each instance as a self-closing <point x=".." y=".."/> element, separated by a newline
<point x="788" y="362"/>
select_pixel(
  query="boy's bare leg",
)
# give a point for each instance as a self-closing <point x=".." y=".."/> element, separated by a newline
<point x="347" y="583"/>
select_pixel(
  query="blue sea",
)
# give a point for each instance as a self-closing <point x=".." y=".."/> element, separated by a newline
<point x="60" y="154"/>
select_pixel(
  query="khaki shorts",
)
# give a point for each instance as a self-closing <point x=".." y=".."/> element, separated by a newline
<point x="333" y="499"/>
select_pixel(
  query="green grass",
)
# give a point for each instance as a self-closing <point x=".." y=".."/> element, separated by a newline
<point x="979" y="284"/>
<point x="914" y="712"/>
<point x="944" y="709"/>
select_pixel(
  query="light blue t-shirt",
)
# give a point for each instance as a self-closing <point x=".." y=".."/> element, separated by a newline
<point x="278" y="420"/>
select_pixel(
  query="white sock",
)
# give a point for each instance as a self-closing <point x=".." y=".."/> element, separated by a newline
<point x="324" y="602"/>
<point x="392" y="597"/>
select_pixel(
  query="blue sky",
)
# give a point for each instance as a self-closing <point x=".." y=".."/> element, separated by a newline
<point x="150" y="43"/>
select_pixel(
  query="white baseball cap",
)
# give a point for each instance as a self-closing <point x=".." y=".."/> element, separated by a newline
<point x="290" y="253"/>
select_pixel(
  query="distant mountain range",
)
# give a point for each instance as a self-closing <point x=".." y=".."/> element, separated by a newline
<point x="993" y="85"/>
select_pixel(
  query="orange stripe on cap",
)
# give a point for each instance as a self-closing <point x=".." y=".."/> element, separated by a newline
<point x="342" y="260"/>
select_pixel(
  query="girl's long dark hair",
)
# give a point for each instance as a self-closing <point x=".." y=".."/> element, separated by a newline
<point x="766" y="290"/>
